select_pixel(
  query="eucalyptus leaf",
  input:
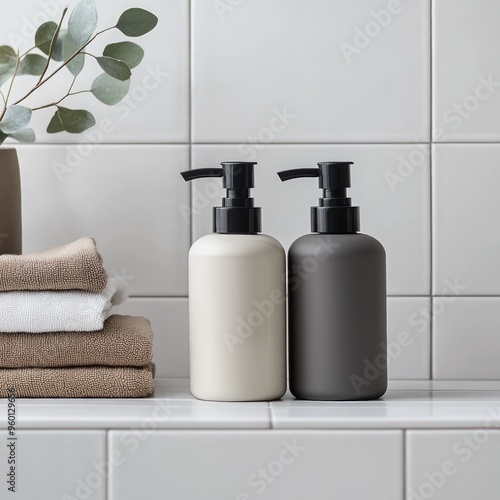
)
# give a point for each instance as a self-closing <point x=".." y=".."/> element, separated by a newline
<point x="75" y="121"/>
<point x="115" y="68"/>
<point x="109" y="90"/>
<point x="44" y="35"/>
<point x="15" y="119"/>
<point x="83" y="22"/>
<point x="8" y="62"/>
<point x="32" y="64"/>
<point x="128" y="52"/>
<point x="8" y="56"/>
<point x="43" y="39"/>
<point x="69" y="47"/>
<point x="55" y="125"/>
<point x="3" y="137"/>
<point x="27" y="135"/>
<point x="57" y="51"/>
<point x="5" y="74"/>
<point x="136" y="22"/>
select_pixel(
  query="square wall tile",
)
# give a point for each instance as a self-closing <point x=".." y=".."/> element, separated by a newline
<point x="58" y="464"/>
<point x="129" y="198"/>
<point x="264" y="464"/>
<point x="466" y="338"/>
<point x="408" y="337"/>
<point x="169" y="319"/>
<point x="317" y="71"/>
<point x="390" y="184"/>
<point x="453" y="465"/>
<point x="156" y="109"/>
<point x="466" y="179"/>
<point x="466" y="74"/>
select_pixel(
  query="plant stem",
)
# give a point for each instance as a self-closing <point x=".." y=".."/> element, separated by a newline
<point x="60" y="100"/>
<point x="2" y="96"/>
<point x="72" y="83"/>
<point x="27" y="52"/>
<point x="10" y="87"/>
<point x="52" y="46"/>
<point x="38" y="85"/>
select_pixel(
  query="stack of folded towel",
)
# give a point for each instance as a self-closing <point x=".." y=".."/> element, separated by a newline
<point x="57" y="335"/>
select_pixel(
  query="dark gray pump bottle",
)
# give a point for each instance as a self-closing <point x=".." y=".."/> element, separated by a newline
<point x="337" y="298"/>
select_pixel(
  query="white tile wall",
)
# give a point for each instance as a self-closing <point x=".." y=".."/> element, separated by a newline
<point x="60" y="464"/>
<point x="288" y="83"/>
<point x="268" y="465"/>
<point x="453" y="465"/>
<point x="129" y="198"/>
<point x="466" y="338"/>
<point x="466" y="71"/>
<point x="408" y="336"/>
<point x="282" y="63"/>
<point x="466" y="182"/>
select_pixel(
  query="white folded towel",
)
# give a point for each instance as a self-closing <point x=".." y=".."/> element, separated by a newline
<point x="61" y="311"/>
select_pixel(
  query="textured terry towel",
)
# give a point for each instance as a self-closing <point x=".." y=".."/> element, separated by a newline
<point x="76" y="266"/>
<point x="124" y="341"/>
<point x="81" y="382"/>
<point x="65" y="311"/>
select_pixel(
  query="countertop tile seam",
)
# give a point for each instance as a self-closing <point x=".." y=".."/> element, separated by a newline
<point x="271" y="415"/>
<point x="405" y="463"/>
<point x="107" y="481"/>
<point x="291" y="143"/>
<point x="305" y="143"/>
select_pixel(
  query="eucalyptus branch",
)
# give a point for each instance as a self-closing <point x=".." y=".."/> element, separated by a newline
<point x="72" y="84"/>
<point x="27" y="52"/>
<point x="52" y="46"/>
<point x="60" y="100"/>
<point x="66" y="49"/>
<point x="79" y="51"/>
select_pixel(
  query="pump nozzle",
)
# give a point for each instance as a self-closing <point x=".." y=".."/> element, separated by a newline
<point x="237" y="213"/>
<point x="199" y="173"/>
<point x="334" y="213"/>
<point x="295" y="173"/>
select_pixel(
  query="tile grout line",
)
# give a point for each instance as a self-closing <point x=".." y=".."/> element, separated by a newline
<point x="107" y="493"/>
<point x="190" y="113"/>
<point x="270" y="144"/>
<point x="388" y="296"/>
<point x="431" y="340"/>
<point x="431" y="194"/>
<point x="431" y="71"/>
<point x="405" y="463"/>
<point x="308" y="143"/>
<point x="173" y="297"/>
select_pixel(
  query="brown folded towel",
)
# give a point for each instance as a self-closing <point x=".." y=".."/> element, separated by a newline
<point x="76" y="266"/>
<point x="81" y="382"/>
<point x="124" y="341"/>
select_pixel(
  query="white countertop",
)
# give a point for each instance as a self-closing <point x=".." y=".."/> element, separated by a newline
<point x="407" y="405"/>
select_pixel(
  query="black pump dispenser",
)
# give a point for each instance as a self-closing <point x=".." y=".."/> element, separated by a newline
<point x="237" y="215"/>
<point x="334" y="215"/>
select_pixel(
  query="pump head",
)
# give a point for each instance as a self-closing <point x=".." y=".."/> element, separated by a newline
<point x="237" y="215"/>
<point x="334" y="215"/>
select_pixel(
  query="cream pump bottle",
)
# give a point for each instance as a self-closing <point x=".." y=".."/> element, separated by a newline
<point x="237" y="299"/>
